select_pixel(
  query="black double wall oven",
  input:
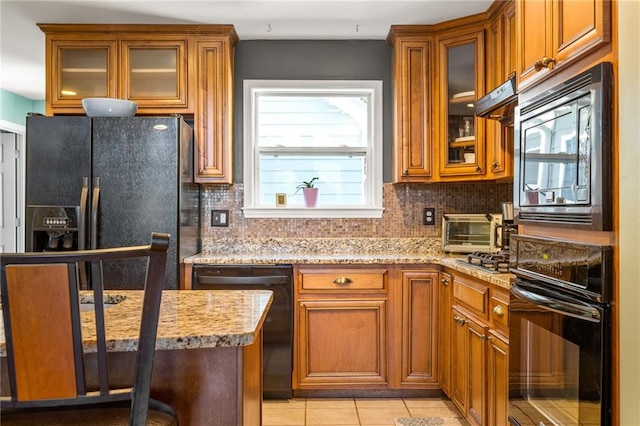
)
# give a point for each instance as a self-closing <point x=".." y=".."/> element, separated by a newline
<point x="560" y="333"/>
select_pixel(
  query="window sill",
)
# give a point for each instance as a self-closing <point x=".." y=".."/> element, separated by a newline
<point x="315" y="212"/>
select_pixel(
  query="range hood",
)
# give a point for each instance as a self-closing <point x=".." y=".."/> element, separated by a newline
<point x="500" y="103"/>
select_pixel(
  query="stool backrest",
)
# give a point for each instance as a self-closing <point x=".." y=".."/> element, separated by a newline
<point x="43" y="326"/>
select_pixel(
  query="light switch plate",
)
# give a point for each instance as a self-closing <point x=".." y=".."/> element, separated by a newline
<point x="219" y="217"/>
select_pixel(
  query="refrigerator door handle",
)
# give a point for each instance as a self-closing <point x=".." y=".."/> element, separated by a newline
<point x="82" y="229"/>
<point x="94" y="213"/>
<point x="82" y="222"/>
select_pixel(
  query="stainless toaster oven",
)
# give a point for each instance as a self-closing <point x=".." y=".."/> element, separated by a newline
<point x="468" y="233"/>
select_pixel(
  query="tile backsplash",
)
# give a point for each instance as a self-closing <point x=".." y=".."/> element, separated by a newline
<point x="402" y="217"/>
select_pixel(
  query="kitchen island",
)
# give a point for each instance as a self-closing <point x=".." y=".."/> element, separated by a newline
<point x="208" y="351"/>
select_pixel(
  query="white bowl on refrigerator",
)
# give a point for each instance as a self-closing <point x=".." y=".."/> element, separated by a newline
<point x="109" y="107"/>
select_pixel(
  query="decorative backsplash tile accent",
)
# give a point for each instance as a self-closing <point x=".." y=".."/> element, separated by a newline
<point x="402" y="217"/>
<point x="323" y="246"/>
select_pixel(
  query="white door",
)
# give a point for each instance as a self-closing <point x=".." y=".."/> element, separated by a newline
<point x="9" y="187"/>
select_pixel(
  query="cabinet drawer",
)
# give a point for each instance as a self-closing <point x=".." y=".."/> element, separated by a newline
<point x="473" y="294"/>
<point x="345" y="280"/>
<point x="499" y="306"/>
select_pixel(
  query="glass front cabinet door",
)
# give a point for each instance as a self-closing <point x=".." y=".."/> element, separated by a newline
<point x="154" y="73"/>
<point x="81" y="69"/>
<point x="461" y="141"/>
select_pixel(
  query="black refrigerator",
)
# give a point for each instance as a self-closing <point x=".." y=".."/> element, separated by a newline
<point x="109" y="182"/>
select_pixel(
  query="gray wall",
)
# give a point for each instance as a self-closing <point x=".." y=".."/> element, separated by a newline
<point x="312" y="60"/>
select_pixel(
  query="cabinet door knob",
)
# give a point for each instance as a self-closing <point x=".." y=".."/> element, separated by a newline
<point x="544" y="63"/>
<point x="495" y="165"/>
<point x="445" y="281"/>
<point x="342" y="281"/>
<point x="498" y="310"/>
<point x="405" y="172"/>
<point x="479" y="169"/>
<point x="460" y="320"/>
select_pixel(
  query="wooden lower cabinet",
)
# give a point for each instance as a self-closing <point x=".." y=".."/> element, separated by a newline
<point x="445" y="289"/>
<point x="366" y="327"/>
<point x="468" y="352"/>
<point x="477" y="360"/>
<point x="478" y="375"/>
<point x="340" y="333"/>
<point x="419" y="328"/>
<point x="459" y="385"/>
<point x="342" y="343"/>
<point x="497" y="380"/>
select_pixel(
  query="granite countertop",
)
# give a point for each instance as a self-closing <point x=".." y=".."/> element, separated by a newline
<point x="341" y="251"/>
<point x="188" y="319"/>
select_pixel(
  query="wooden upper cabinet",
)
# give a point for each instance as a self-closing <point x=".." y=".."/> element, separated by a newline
<point x="502" y="63"/>
<point x="412" y="90"/>
<point x="214" y="111"/>
<point x="461" y="143"/>
<point x="554" y="33"/>
<point x="153" y="73"/>
<point x="147" y="64"/>
<point x="80" y="68"/>
<point x="165" y="69"/>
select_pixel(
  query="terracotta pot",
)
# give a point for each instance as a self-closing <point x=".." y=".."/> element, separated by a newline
<point x="310" y="196"/>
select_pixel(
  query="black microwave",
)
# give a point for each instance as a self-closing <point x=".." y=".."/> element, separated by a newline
<point x="563" y="154"/>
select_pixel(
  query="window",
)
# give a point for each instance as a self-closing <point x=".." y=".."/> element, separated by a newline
<point x="297" y="130"/>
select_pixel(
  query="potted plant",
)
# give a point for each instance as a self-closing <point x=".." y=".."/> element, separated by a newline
<point x="309" y="192"/>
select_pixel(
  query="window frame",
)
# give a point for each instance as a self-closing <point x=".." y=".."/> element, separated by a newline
<point x="374" y="172"/>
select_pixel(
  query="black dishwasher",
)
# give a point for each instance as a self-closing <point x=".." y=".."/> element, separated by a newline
<point x="278" y="325"/>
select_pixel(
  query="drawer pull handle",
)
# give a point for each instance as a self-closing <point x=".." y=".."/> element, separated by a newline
<point x="498" y="310"/>
<point x="342" y="281"/>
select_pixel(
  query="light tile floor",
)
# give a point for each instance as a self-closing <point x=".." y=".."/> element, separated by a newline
<point x="356" y="411"/>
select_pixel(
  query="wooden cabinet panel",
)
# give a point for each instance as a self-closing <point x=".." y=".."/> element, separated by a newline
<point x="473" y="294"/>
<point x="499" y="306"/>
<point x="580" y="25"/>
<point x="214" y="111"/>
<point x="459" y="386"/>
<point x="419" y="331"/>
<point x="153" y="72"/>
<point x="477" y="344"/>
<point x="342" y="343"/>
<point x="344" y="279"/>
<point x="534" y="23"/>
<point x="501" y="50"/>
<point x="468" y="366"/>
<point x="479" y="350"/>
<point x="340" y="328"/>
<point x="77" y="69"/>
<point x="555" y="33"/>
<point x="445" y="295"/>
<point x="461" y="138"/>
<point x="497" y="381"/>
<point x="413" y="143"/>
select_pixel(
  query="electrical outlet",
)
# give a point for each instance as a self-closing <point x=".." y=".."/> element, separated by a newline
<point x="429" y="216"/>
<point x="219" y="217"/>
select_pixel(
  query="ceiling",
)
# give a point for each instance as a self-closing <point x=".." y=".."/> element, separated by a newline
<point x="22" y="43"/>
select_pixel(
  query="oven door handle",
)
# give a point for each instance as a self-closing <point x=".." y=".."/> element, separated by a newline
<point x="583" y="312"/>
